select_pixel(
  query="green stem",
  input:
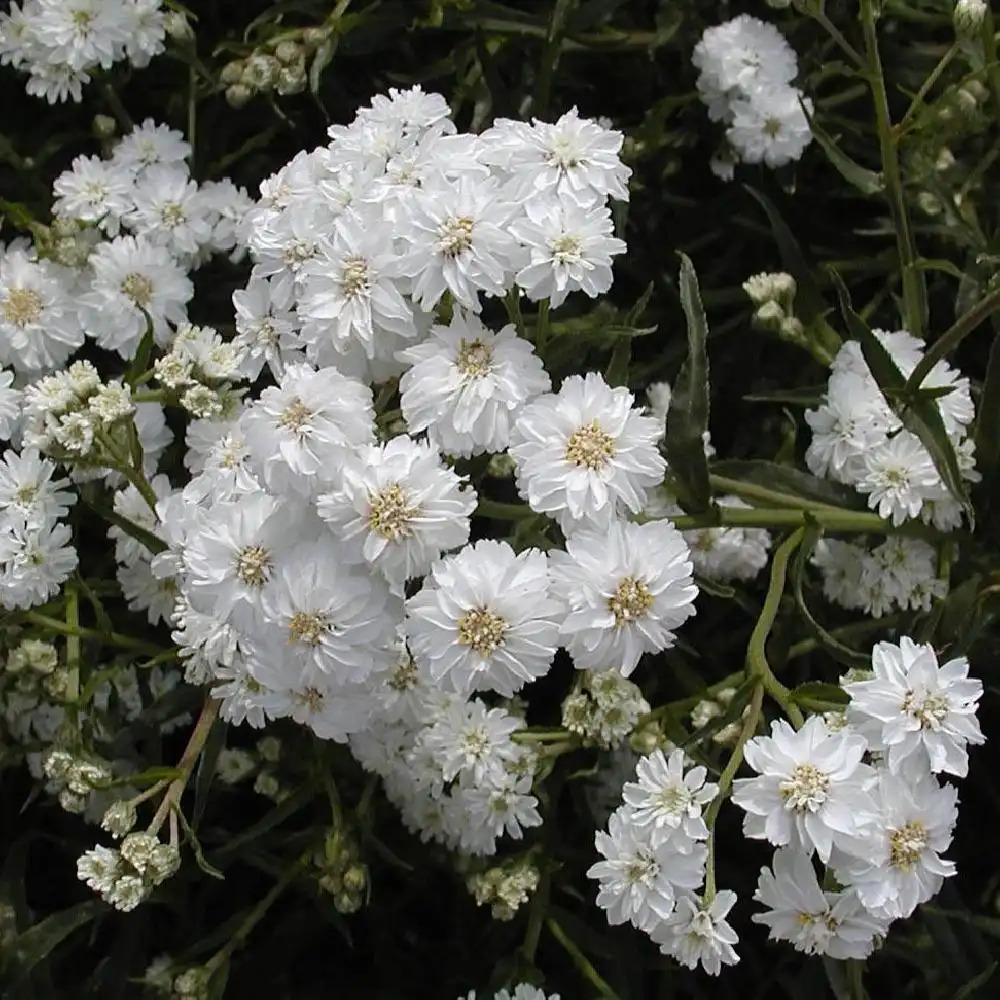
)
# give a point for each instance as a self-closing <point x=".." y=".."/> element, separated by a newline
<point x="856" y="980"/>
<point x="914" y="294"/>
<point x="550" y="56"/>
<point x="122" y="116"/>
<point x="856" y="629"/>
<point x="111" y="638"/>
<point x="73" y="641"/>
<point x="120" y="463"/>
<point x="580" y="960"/>
<point x="254" y="917"/>
<point x="925" y="88"/>
<point x="512" y="301"/>
<point x="775" y="498"/>
<point x="952" y="337"/>
<point x="842" y="43"/>
<point x="747" y="730"/>
<point x="828" y="518"/>
<point x="757" y="664"/>
<point x="504" y="511"/>
<point x="542" y="327"/>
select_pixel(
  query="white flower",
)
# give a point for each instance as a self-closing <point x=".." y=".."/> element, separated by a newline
<point x="586" y="454"/>
<point x="321" y="618"/>
<point x="812" y="791"/>
<point x="169" y="211"/>
<point x="350" y="294"/>
<point x="637" y="879"/>
<point x="93" y="190"/>
<point x="28" y="489"/>
<point x="149" y="144"/>
<point x="468" y="739"/>
<point x="627" y="587"/>
<point x="570" y="246"/>
<point x="898" y="865"/>
<point x="135" y="283"/>
<point x="697" y="932"/>
<point x="921" y="714"/>
<point x="576" y="159"/>
<point x="468" y="385"/>
<point x="458" y="241"/>
<point x="899" y="476"/>
<point x="267" y="334"/>
<point x="301" y="429"/>
<point x="814" y="921"/>
<point x="667" y="801"/>
<point x="772" y="128"/>
<point x="397" y="507"/>
<point x="485" y="620"/>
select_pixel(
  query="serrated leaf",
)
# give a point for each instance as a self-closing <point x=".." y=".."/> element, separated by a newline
<point x="920" y="416"/>
<point x="794" y="482"/>
<point x="687" y="418"/>
<point x="37" y="942"/>
<point x="866" y="181"/>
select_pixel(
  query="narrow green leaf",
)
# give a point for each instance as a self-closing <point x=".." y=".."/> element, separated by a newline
<point x="207" y="765"/>
<point x="617" y="371"/>
<point x="195" y="845"/>
<point x="322" y="59"/>
<point x="810" y="395"/>
<point x="945" y="266"/>
<point x="920" y="416"/>
<point x="785" y="479"/>
<point x="37" y="943"/>
<point x="687" y="419"/>
<point x="143" y="354"/>
<point x="634" y="314"/>
<point x="817" y="691"/>
<point x="970" y="989"/>
<point x="809" y="302"/>
<point x="866" y="181"/>
<point x="988" y="422"/>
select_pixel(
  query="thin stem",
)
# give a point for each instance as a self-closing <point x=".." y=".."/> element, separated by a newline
<point x="122" y="116"/>
<point x="110" y="638"/>
<point x="125" y="467"/>
<point x="842" y="43"/>
<point x="952" y="337"/>
<point x="856" y="629"/>
<point x="917" y="103"/>
<point x="752" y="491"/>
<point x="196" y="743"/>
<point x="757" y="664"/>
<point x="73" y="641"/>
<point x="254" y="917"/>
<point x="542" y="328"/>
<point x="914" y="300"/>
<point x="580" y="960"/>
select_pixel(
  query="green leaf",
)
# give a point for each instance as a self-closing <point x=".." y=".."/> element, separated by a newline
<point x="37" y="943"/>
<point x="866" y="181"/>
<point x="988" y="422"/>
<point x="207" y="765"/>
<point x="687" y="419"/>
<point x="841" y="653"/>
<point x="810" y="305"/>
<point x="617" y="371"/>
<point x="810" y="395"/>
<point x="143" y="354"/>
<point x="920" y="416"/>
<point x="818" y="692"/>
<point x="945" y="266"/>
<point x="322" y="59"/>
<point x="972" y="986"/>
<point x="785" y="479"/>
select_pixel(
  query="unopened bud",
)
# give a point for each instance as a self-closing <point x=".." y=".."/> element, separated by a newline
<point x="177" y="26"/>
<point x="287" y="52"/>
<point x="238" y="94"/>
<point x="770" y="315"/>
<point x="968" y="17"/>
<point x="104" y="126"/>
<point x="291" y="80"/>
<point x="119" y="818"/>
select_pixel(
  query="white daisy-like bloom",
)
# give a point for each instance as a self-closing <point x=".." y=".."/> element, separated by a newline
<point x="150" y="144"/>
<point x="739" y="58"/>
<point x="922" y="715"/>
<point x="169" y="210"/>
<point x="397" y="507"/>
<point x="10" y="405"/>
<point x="350" y="294"/>
<point x="667" y="801"/>
<point x="39" y="326"/>
<point x="586" y="454"/>
<point x="322" y="619"/>
<point x="301" y="429"/>
<point x="841" y="565"/>
<point x="146" y="31"/>
<point x="772" y="128"/>
<point x="570" y="249"/>
<point x="502" y="805"/>
<point x="82" y="33"/>
<point x="697" y="932"/>
<point x="485" y="619"/>
<point x="899" y="476"/>
<point x="36" y="559"/>
<point x="898" y="865"/>
<point x="135" y="284"/>
<point x="627" y="588"/>
<point x="467" y="385"/>
<point x="94" y="190"/>
<point x="812" y="790"/>
<point x="637" y="879"/>
<point x="729" y="553"/>
<point x="458" y="241"/>
<point x="811" y="920"/>
<point x="27" y="487"/>
<point x="575" y="159"/>
<point x="268" y="335"/>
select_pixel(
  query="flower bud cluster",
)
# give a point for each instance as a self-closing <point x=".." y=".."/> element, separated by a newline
<point x="341" y="873"/>
<point x="278" y="67"/>
<point x="73" y="778"/>
<point x="603" y="708"/>
<point x="505" y="888"/>
<point x="125" y="877"/>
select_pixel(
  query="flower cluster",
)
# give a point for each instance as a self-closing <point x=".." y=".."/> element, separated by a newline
<point x="859" y="440"/>
<point x="863" y="796"/>
<point x="125" y="877"/>
<point x="745" y="73"/>
<point x="62" y="44"/>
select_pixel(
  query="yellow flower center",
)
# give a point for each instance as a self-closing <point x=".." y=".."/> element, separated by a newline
<point x="590" y="447"/>
<point x="630" y="601"/>
<point x="482" y="630"/>
<point x="253" y="565"/>
<point x="22" y="306"/>
<point x="390" y="513"/>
